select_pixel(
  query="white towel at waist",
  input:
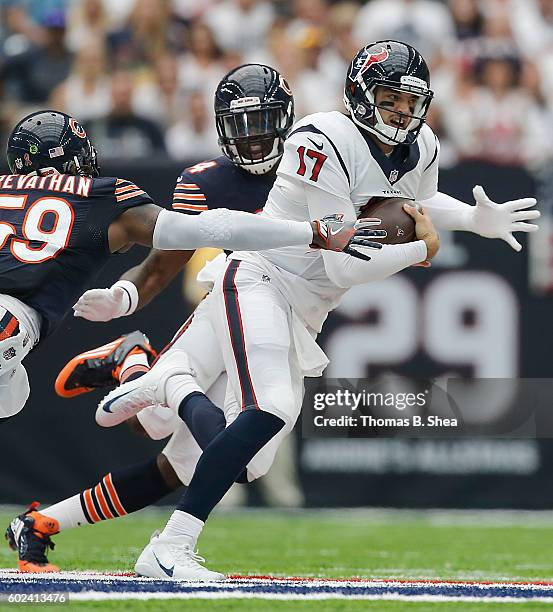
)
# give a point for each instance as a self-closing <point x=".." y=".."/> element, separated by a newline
<point x="212" y="269"/>
<point x="311" y="357"/>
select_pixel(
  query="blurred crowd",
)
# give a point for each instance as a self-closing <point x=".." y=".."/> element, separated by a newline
<point x="140" y="74"/>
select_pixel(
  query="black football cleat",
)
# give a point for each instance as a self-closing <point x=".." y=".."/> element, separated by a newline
<point x="29" y="534"/>
<point x="100" y="367"/>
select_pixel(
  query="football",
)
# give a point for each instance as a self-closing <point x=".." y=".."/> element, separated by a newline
<point x="399" y="226"/>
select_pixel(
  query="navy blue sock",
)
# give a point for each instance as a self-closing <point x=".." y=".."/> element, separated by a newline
<point x="225" y="458"/>
<point x="139" y="485"/>
<point x="204" y="419"/>
<point x="124" y="491"/>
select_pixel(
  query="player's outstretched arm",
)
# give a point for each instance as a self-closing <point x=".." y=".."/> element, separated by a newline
<point x="225" y="229"/>
<point x="135" y="289"/>
<point x="487" y="218"/>
<point x="139" y="285"/>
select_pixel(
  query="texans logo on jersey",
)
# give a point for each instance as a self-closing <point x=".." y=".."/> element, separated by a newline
<point x="365" y="60"/>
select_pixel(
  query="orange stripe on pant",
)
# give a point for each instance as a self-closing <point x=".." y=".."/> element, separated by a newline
<point x="8" y="330"/>
<point x="113" y="495"/>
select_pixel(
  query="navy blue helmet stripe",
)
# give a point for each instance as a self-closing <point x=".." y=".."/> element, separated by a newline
<point x="433" y="158"/>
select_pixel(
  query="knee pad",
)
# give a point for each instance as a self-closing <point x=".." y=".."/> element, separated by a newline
<point x="14" y="391"/>
<point x="281" y="403"/>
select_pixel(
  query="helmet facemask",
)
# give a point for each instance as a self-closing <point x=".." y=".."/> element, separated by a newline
<point x="366" y="113"/>
<point x="252" y="133"/>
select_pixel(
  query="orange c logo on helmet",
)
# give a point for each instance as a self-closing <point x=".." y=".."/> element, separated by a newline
<point x="284" y="84"/>
<point x="77" y="128"/>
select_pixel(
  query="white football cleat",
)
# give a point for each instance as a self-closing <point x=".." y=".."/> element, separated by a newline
<point x="148" y="390"/>
<point x="172" y="558"/>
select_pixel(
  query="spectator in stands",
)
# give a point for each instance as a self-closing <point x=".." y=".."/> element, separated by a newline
<point x="86" y="20"/>
<point x="161" y="98"/>
<point x="425" y="24"/>
<point x="144" y="37"/>
<point x="467" y="18"/>
<point x="194" y="136"/>
<point x="532" y="25"/>
<point x="309" y="13"/>
<point x="180" y="48"/>
<point x="313" y="77"/>
<point x="31" y="75"/>
<point x="499" y="121"/>
<point x="86" y="92"/>
<point x="279" y="51"/>
<point x="18" y="30"/>
<point x="240" y="25"/>
<point x="124" y="133"/>
<point x="337" y="55"/>
<point x="202" y="67"/>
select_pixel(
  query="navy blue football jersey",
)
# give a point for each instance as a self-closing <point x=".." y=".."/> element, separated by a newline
<point x="54" y="236"/>
<point x="219" y="183"/>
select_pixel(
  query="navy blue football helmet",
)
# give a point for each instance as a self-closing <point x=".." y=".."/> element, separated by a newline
<point x="254" y="111"/>
<point x="50" y="139"/>
<point x="394" y="65"/>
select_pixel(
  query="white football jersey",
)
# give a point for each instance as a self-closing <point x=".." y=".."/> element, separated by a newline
<point x="329" y="152"/>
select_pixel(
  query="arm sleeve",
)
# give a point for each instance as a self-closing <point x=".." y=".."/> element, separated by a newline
<point x="228" y="229"/>
<point x="448" y="213"/>
<point x="346" y="271"/>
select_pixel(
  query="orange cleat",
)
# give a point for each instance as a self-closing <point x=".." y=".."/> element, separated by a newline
<point x="100" y="367"/>
<point x="29" y="534"/>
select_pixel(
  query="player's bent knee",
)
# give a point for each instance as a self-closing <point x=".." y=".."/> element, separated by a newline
<point x="14" y="392"/>
<point x="281" y="403"/>
<point x="168" y="473"/>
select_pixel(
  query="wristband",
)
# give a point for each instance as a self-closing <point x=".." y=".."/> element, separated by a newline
<point x="131" y="294"/>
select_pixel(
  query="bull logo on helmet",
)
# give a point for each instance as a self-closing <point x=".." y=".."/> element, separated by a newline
<point x="365" y="60"/>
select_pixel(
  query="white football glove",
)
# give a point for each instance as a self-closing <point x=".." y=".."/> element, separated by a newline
<point x="492" y="220"/>
<point x="120" y="300"/>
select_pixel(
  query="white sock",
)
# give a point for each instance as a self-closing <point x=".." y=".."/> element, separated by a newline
<point x="68" y="513"/>
<point x="185" y="525"/>
<point x="178" y="387"/>
<point x="135" y="362"/>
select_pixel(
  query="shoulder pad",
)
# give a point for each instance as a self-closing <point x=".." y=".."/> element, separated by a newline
<point x="318" y="152"/>
<point x="192" y="188"/>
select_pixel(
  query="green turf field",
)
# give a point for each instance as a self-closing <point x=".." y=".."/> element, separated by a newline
<point x="337" y="544"/>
